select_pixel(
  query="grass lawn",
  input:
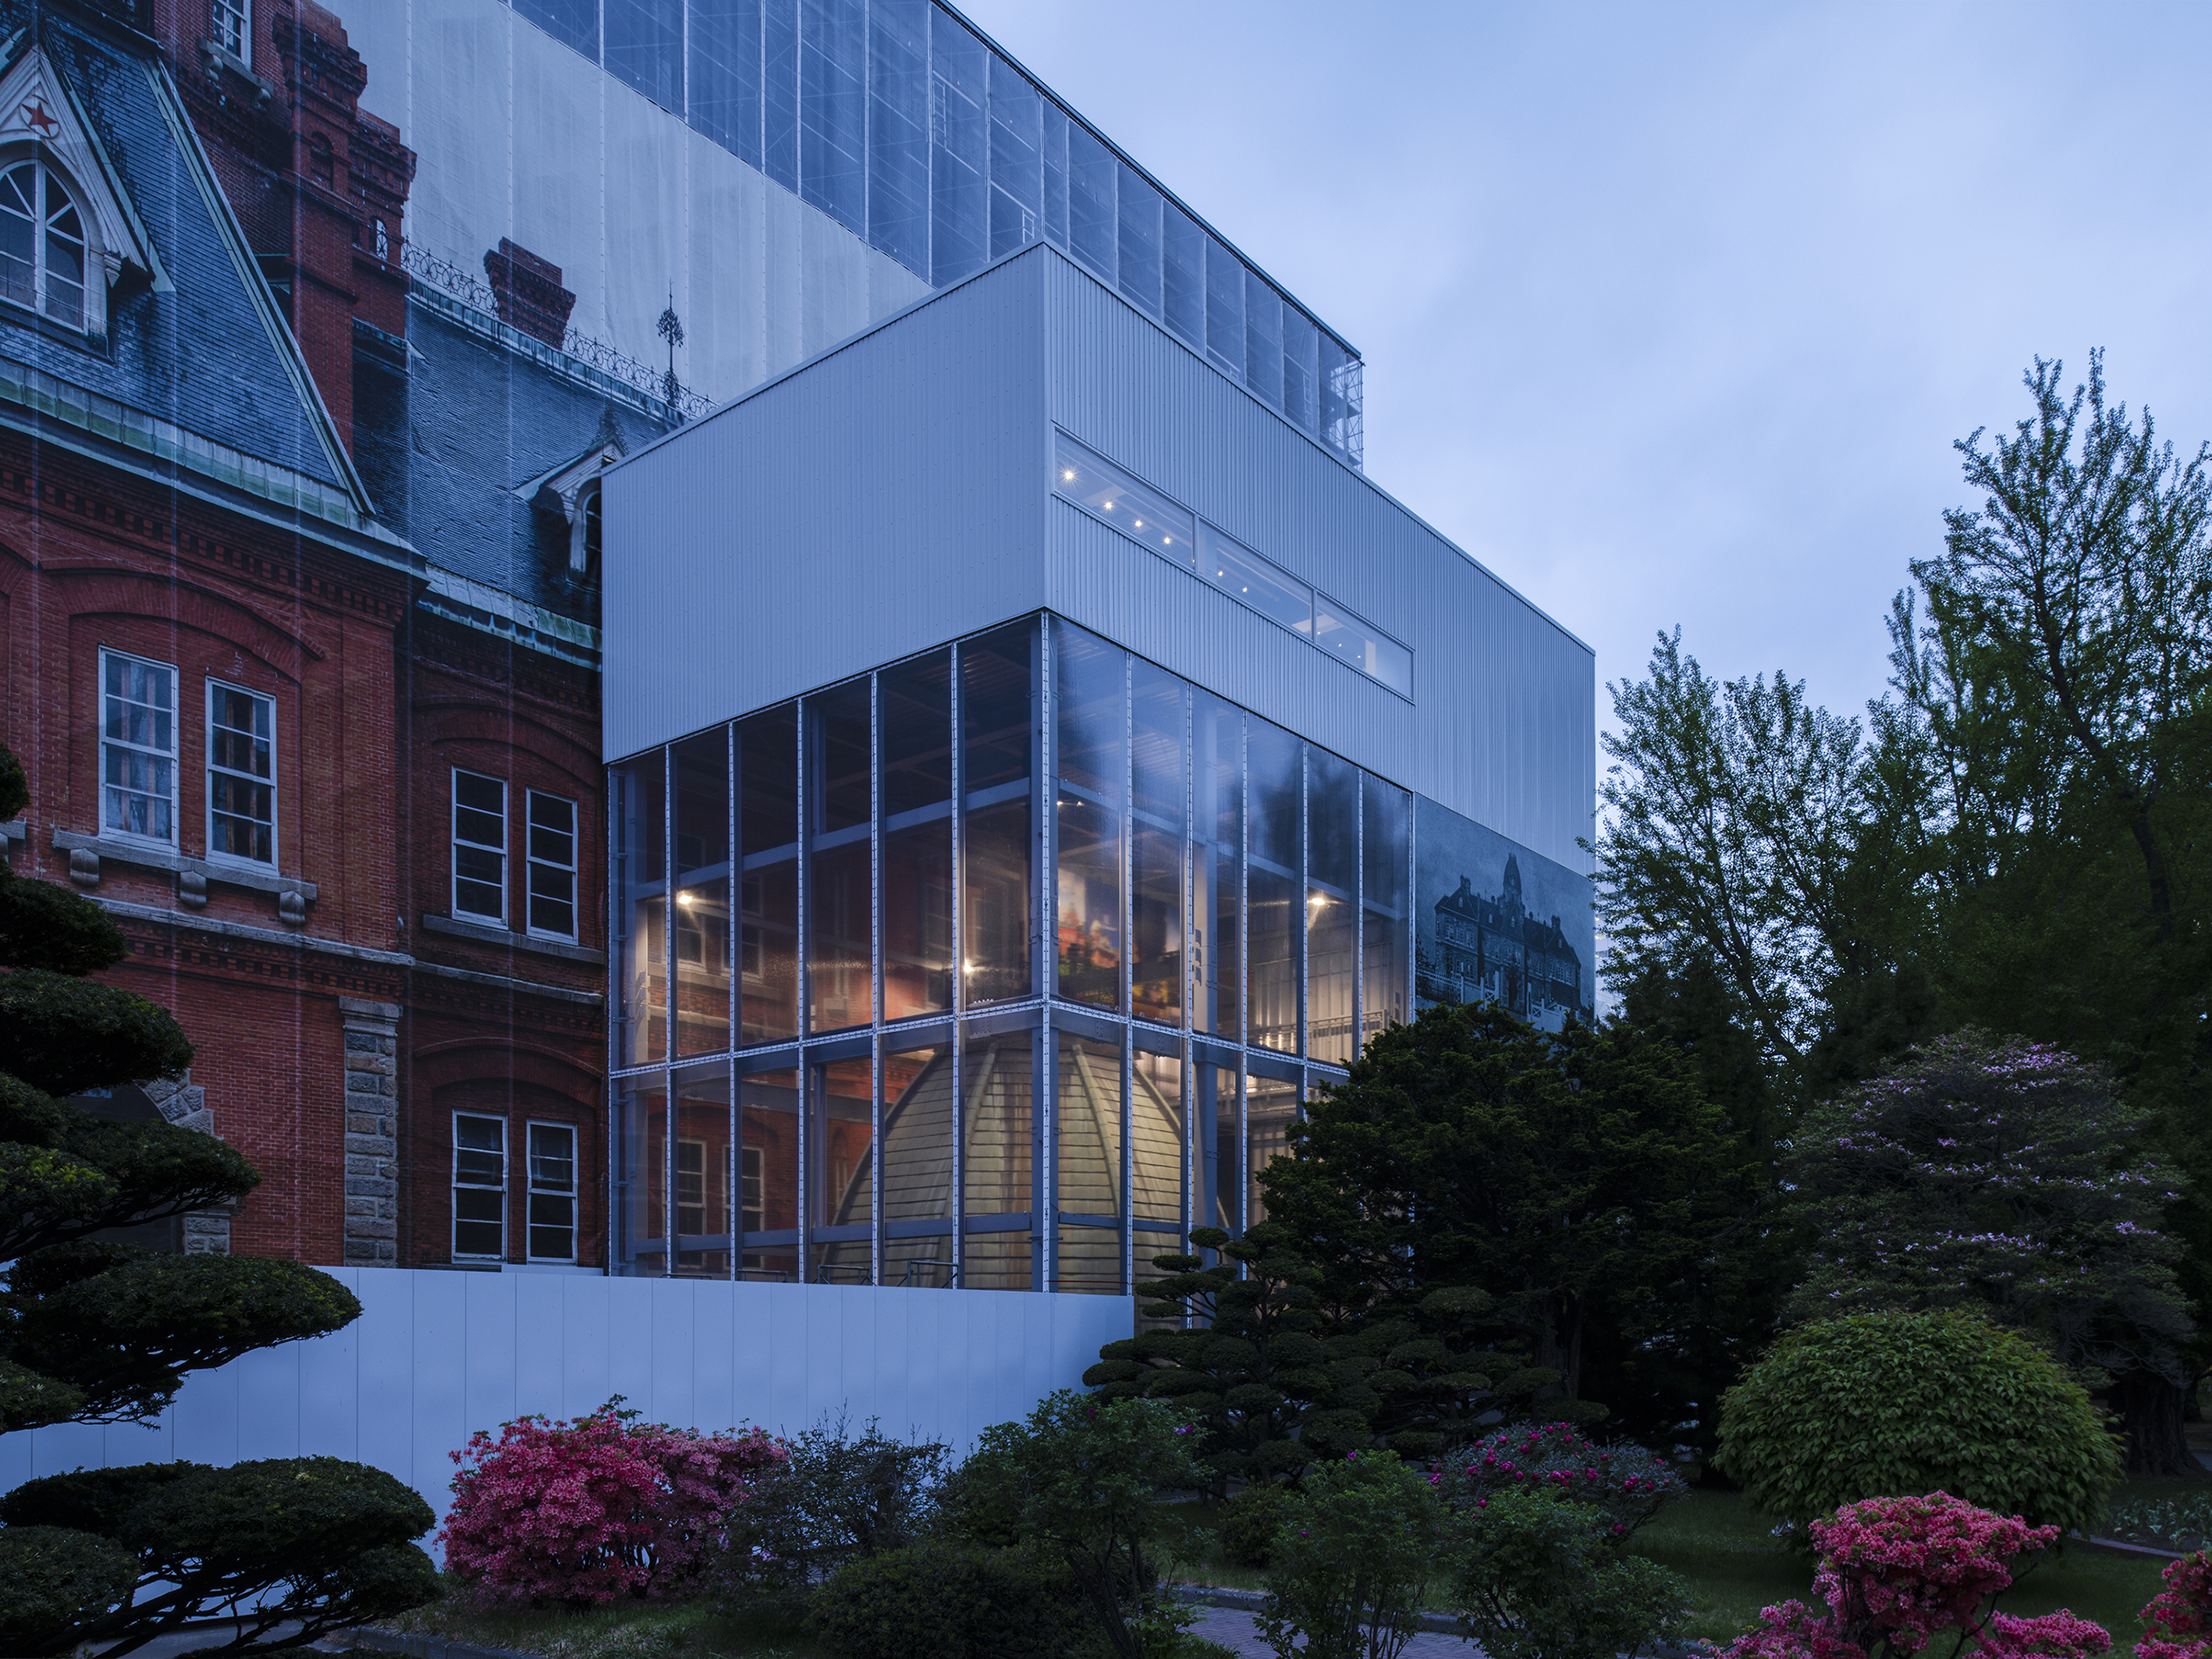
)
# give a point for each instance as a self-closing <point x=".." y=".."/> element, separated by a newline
<point x="1735" y="1567"/>
<point x="635" y="1630"/>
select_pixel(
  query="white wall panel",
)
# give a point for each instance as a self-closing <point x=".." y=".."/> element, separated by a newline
<point x="436" y="1356"/>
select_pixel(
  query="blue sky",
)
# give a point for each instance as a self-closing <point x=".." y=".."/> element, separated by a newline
<point x="1671" y="312"/>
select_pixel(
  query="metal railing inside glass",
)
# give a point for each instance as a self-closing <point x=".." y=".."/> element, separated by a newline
<point x="892" y="117"/>
<point x="998" y="968"/>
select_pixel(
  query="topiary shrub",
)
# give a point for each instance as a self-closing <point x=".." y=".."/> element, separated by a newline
<point x="53" y="1579"/>
<point x="582" y="1513"/>
<point x="1250" y="1521"/>
<point x="949" y="1600"/>
<point x="1898" y="1404"/>
<point x="834" y="1498"/>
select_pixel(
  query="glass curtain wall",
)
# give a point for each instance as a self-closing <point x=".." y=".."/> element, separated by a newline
<point x="999" y="968"/>
<point x="892" y="118"/>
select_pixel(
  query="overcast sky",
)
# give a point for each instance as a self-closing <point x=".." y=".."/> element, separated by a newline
<point x="1671" y="312"/>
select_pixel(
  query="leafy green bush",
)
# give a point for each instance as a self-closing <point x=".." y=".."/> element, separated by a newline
<point x="1877" y="1405"/>
<point x="949" y="1600"/>
<point x="1250" y="1521"/>
<point x="835" y="1498"/>
<point x="1352" y="1561"/>
<point x="53" y="1580"/>
<point x="1535" y="1578"/>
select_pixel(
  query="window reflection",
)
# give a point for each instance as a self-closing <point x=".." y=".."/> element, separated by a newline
<point x="1155" y="1145"/>
<point x="768" y="1185"/>
<point x="637" y="865"/>
<point x="995" y="1133"/>
<point x="1332" y="893"/>
<point x="1159" y="741"/>
<point x="841" y="1134"/>
<point x="1092" y="754"/>
<point x="840" y="918"/>
<point x="767" y="838"/>
<point x="917" y="806"/>
<point x="1088" y="1128"/>
<point x="703" y="937"/>
<point x="1271" y="1104"/>
<point x="1136" y="509"/>
<point x="702" y="1176"/>
<point x="1217" y="875"/>
<point x="1273" y="909"/>
<point x="921" y="1098"/>
<point x="996" y="697"/>
<point x="1387" y="816"/>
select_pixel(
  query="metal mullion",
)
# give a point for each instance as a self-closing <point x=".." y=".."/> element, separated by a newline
<point x="875" y="850"/>
<point x="1044" y="1189"/>
<point x="618" y="896"/>
<point x="668" y="1008"/>
<point x="733" y="942"/>
<point x="803" y="950"/>
<point x="1358" y="915"/>
<point x="876" y="1161"/>
<point x="1128" y="1003"/>
<point x="959" y="1205"/>
<point x="1243" y="896"/>
<point x="1301" y="929"/>
<point x="1244" y="1160"/>
<point x="1192" y="1166"/>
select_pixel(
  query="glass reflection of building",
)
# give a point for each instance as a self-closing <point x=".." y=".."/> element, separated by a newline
<point x="1001" y="967"/>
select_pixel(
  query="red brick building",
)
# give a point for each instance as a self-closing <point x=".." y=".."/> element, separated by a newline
<point x="343" y="799"/>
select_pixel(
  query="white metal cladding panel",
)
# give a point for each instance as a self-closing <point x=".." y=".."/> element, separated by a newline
<point x="1504" y="722"/>
<point x="884" y="499"/>
<point x="436" y="1356"/>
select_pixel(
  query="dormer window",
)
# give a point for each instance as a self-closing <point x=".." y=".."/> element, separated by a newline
<point x="42" y="244"/>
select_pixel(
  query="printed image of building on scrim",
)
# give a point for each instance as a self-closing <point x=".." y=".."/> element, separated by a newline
<point x="1517" y="931"/>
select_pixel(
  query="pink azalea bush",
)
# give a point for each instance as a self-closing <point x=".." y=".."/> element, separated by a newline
<point x="1628" y="1483"/>
<point x="587" y="1511"/>
<point x="2178" y="1619"/>
<point x="1894" y="1572"/>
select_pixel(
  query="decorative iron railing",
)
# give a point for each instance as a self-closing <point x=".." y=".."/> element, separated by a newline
<point x="475" y="293"/>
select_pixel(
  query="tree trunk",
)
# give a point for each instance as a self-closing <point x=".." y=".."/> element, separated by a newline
<point x="2150" y="1412"/>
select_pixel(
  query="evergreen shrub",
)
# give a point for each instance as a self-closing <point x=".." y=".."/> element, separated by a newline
<point x="1250" y="1521"/>
<point x="1536" y="1578"/>
<point x="1350" y="1567"/>
<point x="950" y="1601"/>
<point x="1890" y="1404"/>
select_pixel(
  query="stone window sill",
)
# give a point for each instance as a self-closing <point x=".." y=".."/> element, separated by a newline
<point x="508" y="938"/>
<point x="193" y="875"/>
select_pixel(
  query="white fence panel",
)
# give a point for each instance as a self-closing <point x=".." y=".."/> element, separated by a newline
<point x="436" y="1356"/>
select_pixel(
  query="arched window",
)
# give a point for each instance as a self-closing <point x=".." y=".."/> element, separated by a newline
<point x="584" y="533"/>
<point x="42" y="244"/>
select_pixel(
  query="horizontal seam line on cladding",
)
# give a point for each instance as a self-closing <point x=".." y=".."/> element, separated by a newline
<point x="332" y="947"/>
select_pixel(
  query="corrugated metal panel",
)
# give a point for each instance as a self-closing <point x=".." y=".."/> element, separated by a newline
<point x="895" y="494"/>
<point x="884" y="499"/>
<point x="1503" y="725"/>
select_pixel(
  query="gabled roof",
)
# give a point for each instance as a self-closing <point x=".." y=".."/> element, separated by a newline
<point x="196" y="354"/>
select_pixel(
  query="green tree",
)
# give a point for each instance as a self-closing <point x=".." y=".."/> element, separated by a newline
<point x="1570" y="1175"/>
<point x="1350" y="1569"/>
<point x="94" y="1331"/>
<point x="1535" y="1579"/>
<point x="1999" y="1174"/>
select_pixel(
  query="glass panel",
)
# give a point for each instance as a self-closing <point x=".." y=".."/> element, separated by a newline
<point x="1272" y="886"/>
<point x="703" y="1187"/>
<point x="552" y="831"/>
<point x="1340" y="396"/>
<point x="917" y="760"/>
<point x="833" y="109"/>
<point x="1215" y="1201"/>
<point x="1088" y="1124"/>
<point x="552" y="1218"/>
<point x="725" y="91"/>
<point x="1092" y="752"/>
<point x="1251" y="580"/>
<point x="1182" y="268"/>
<point x="702" y="893"/>
<point x="1387" y="812"/>
<point x="996" y="728"/>
<point x="1338" y="630"/>
<point x="840" y="925"/>
<point x="1332" y="927"/>
<point x="959" y="152"/>
<point x="898" y="130"/>
<point x="640" y="1185"/>
<point x="1139" y="241"/>
<point x="1155" y="1143"/>
<point x="1159" y="743"/>
<point x="573" y="22"/>
<point x="1218" y="822"/>
<point x="843" y="1132"/>
<point x="637" y="860"/>
<point x="1016" y="143"/>
<point x="479" y="1186"/>
<point x="241" y="773"/>
<point x="768" y="1174"/>
<point x="644" y="48"/>
<point x="1224" y="309"/>
<point x="997" y="1134"/>
<point x="1055" y="176"/>
<point x="1137" y="510"/>
<point x="1301" y="369"/>
<point x="767" y="894"/>
<point x="1093" y="231"/>
<point x="1270" y="1105"/>
<point x="1263" y="341"/>
<point x="779" y="92"/>
<point x="921" y="1100"/>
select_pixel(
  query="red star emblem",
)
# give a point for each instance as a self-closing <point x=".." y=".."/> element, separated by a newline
<point x="35" y="114"/>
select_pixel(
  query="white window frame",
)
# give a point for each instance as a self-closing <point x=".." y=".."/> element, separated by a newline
<point x="230" y="26"/>
<point x="214" y="688"/>
<point x="458" y="1187"/>
<point x="571" y="1193"/>
<point x="506" y="834"/>
<point x="92" y="281"/>
<point x="704" y="1174"/>
<point x="174" y="755"/>
<point x="531" y="864"/>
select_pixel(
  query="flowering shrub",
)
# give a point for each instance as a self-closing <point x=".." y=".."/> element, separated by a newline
<point x="1627" y="1483"/>
<point x="2178" y="1619"/>
<point x="1896" y="1571"/>
<point x="587" y="1511"/>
